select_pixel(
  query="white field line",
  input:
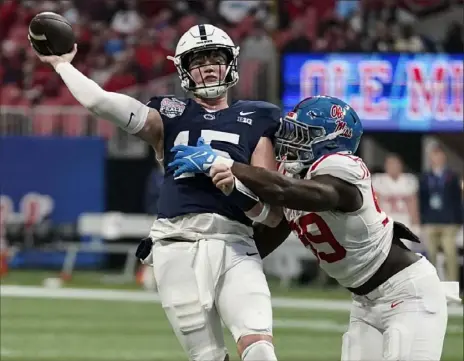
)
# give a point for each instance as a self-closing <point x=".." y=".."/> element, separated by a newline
<point x="148" y="296"/>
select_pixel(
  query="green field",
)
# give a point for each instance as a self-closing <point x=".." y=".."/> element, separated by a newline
<point x="35" y="329"/>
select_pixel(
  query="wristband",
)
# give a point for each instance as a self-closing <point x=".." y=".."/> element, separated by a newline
<point x="242" y="196"/>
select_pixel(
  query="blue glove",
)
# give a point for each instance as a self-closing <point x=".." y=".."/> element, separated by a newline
<point x="189" y="159"/>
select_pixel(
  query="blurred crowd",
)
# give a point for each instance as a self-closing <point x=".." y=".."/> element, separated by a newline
<point x="358" y="26"/>
<point x="125" y="42"/>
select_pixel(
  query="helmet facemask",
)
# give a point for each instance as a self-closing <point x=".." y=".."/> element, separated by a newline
<point x="295" y="141"/>
<point x="217" y="55"/>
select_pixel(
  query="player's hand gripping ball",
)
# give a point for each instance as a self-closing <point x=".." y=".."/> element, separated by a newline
<point x="51" y="34"/>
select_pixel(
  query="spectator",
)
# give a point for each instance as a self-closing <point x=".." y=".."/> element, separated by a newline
<point x="47" y="5"/>
<point x="409" y="41"/>
<point x="353" y="42"/>
<point x="114" y="43"/>
<point x="186" y="22"/>
<point x="454" y="41"/>
<point x="235" y="11"/>
<point x="298" y="42"/>
<point x="383" y="41"/>
<point x="331" y="36"/>
<point x="69" y="11"/>
<point x="8" y="12"/>
<point x="162" y="20"/>
<point x="128" y="20"/>
<point x="106" y="10"/>
<point x="122" y="76"/>
<point x="441" y="210"/>
<point x="258" y="45"/>
<point x="11" y="64"/>
<point x="389" y="12"/>
<point x="144" y="51"/>
<point x="101" y="71"/>
<point x="397" y="193"/>
<point x="356" y="21"/>
<point x="346" y="8"/>
<point x="83" y="33"/>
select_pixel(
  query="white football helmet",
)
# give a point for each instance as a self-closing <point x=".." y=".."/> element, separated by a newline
<point x="206" y="37"/>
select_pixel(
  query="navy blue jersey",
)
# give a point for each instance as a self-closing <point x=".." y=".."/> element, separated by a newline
<point x="234" y="131"/>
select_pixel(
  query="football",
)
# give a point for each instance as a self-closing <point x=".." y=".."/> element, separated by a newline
<point x="51" y="34"/>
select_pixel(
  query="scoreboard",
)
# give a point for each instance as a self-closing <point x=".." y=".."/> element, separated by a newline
<point x="401" y="92"/>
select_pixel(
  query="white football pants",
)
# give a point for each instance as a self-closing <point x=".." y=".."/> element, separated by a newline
<point x="404" y="319"/>
<point x="202" y="282"/>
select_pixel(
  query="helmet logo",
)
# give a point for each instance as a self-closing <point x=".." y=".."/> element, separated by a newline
<point x="291" y="115"/>
<point x="346" y="131"/>
<point x="337" y="112"/>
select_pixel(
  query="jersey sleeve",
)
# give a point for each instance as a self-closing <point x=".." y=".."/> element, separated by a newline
<point x="155" y="102"/>
<point x="270" y="116"/>
<point x="168" y="106"/>
<point x="347" y="167"/>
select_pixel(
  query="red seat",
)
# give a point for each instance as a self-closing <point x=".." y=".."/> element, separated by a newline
<point x="74" y="121"/>
<point x="23" y="102"/>
<point x="46" y="117"/>
<point x="18" y="34"/>
<point x="66" y="97"/>
<point x="10" y="94"/>
<point x="105" y="129"/>
<point x="44" y="123"/>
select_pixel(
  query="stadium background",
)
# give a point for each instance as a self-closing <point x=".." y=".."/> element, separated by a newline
<point x="77" y="193"/>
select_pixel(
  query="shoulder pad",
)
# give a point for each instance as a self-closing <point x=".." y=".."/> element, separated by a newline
<point x="258" y="105"/>
<point x="155" y="102"/>
<point x="264" y="105"/>
<point x="344" y="166"/>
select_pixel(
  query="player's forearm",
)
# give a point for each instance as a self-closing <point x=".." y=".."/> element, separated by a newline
<point x="278" y="190"/>
<point x="267" y="185"/>
<point x="268" y="239"/>
<point x="124" y="111"/>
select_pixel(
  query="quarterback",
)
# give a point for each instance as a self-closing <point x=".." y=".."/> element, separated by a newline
<point x="205" y="261"/>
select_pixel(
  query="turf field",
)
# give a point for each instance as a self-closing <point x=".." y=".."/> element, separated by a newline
<point x="90" y="325"/>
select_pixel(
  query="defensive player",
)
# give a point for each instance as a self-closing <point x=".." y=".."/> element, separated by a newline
<point x="399" y="309"/>
<point x="397" y="194"/>
<point x="206" y="264"/>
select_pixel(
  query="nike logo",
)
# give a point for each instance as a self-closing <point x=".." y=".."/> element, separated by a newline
<point x="246" y="113"/>
<point x="394" y="304"/>
<point x="194" y="156"/>
<point x="198" y="155"/>
<point x="130" y="119"/>
<point x="251" y="254"/>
